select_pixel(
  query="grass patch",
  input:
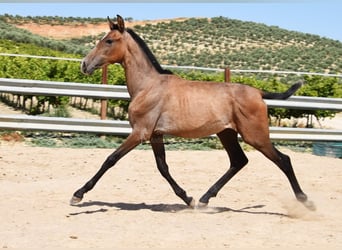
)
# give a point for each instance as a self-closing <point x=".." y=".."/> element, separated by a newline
<point x="81" y="140"/>
<point x="46" y="139"/>
<point x="64" y="140"/>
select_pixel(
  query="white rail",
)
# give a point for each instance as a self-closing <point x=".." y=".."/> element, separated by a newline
<point x="47" y="88"/>
<point x="99" y="91"/>
<point x="40" y="123"/>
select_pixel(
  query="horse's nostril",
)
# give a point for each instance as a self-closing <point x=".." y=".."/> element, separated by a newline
<point x="83" y="67"/>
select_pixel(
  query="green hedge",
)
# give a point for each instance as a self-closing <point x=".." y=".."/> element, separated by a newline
<point x="69" y="71"/>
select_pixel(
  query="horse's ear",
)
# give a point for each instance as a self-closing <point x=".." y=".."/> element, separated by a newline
<point x="121" y="23"/>
<point x="111" y="24"/>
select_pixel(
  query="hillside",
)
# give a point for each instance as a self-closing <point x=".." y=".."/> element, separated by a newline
<point x="216" y="42"/>
<point x="221" y="42"/>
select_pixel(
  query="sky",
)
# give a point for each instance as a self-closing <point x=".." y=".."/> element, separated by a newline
<point x="317" y="17"/>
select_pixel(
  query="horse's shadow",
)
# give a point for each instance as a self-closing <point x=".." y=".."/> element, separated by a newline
<point x="169" y="208"/>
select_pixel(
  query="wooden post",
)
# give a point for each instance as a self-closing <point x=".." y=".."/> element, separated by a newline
<point x="104" y="101"/>
<point x="227" y="75"/>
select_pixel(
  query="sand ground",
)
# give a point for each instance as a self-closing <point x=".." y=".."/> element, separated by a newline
<point x="133" y="206"/>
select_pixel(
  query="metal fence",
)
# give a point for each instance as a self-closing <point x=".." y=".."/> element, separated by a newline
<point x="47" y="88"/>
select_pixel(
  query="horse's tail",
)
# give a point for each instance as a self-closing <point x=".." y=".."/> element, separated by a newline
<point x="284" y="95"/>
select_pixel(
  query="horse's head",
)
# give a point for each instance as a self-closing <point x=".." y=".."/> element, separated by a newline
<point x="108" y="50"/>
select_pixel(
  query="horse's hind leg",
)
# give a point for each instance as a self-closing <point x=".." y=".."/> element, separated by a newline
<point x="237" y="158"/>
<point x="159" y="154"/>
<point x="284" y="163"/>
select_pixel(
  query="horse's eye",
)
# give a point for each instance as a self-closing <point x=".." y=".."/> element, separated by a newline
<point x="109" y="41"/>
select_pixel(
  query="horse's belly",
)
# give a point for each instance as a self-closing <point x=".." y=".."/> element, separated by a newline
<point x="191" y="129"/>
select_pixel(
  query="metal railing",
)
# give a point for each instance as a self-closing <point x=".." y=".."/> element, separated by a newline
<point x="99" y="91"/>
<point x="47" y="88"/>
<point x="57" y="124"/>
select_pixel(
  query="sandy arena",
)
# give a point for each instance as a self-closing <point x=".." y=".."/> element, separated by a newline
<point x="133" y="206"/>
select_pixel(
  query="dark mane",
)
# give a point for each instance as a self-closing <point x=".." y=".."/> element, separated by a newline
<point x="148" y="52"/>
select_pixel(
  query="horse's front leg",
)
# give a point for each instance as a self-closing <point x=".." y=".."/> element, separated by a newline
<point x="131" y="142"/>
<point x="159" y="154"/>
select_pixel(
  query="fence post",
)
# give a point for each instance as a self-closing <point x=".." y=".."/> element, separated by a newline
<point x="104" y="101"/>
<point x="227" y="74"/>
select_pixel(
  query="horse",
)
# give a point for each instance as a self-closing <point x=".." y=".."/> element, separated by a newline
<point x="165" y="104"/>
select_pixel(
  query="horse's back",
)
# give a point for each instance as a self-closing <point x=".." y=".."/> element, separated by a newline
<point x="208" y="90"/>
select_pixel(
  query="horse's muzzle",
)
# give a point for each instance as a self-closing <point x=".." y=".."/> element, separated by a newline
<point x="89" y="68"/>
<point x="84" y="68"/>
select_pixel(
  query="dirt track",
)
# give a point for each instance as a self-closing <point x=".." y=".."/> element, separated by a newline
<point x="133" y="206"/>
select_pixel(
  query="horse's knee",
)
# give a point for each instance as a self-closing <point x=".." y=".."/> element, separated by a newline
<point x="239" y="163"/>
<point x="244" y="162"/>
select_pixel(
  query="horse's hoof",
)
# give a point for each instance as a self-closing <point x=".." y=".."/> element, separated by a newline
<point x="309" y="205"/>
<point x="192" y="203"/>
<point x="74" y="200"/>
<point x="202" y="205"/>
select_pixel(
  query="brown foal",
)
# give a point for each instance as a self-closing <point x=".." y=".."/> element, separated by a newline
<point x="165" y="104"/>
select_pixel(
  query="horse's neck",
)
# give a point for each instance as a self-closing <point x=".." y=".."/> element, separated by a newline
<point x="138" y="69"/>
